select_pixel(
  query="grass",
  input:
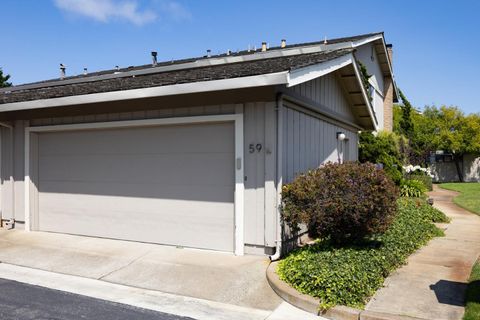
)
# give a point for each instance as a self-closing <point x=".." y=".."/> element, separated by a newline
<point x="350" y="275"/>
<point x="472" y="309"/>
<point x="470" y="195"/>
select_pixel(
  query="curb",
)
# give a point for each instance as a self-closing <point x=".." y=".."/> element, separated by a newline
<point x="287" y="293"/>
<point x="310" y="304"/>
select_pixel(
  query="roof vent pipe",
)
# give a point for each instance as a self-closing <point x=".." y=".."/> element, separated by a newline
<point x="264" y="46"/>
<point x="229" y="52"/>
<point x="117" y="68"/>
<point x="85" y="71"/>
<point x="325" y="40"/>
<point x="154" y="58"/>
<point x="209" y="53"/>
<point x="283" y="44"/>
<point x="62" y="71"/>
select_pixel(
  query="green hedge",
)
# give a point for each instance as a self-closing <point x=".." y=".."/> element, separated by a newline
<point x="349" y="275"/>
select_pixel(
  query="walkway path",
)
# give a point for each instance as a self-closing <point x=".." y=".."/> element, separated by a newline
<point x="433" y="283"/>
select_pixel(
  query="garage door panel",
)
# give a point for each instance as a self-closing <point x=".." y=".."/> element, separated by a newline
<point x="140" y="140"/>
<point x="146" y="168"/>
<point x="128" y="216"/>
<point x="170" y="185"/>
<point x="141" y="190"/>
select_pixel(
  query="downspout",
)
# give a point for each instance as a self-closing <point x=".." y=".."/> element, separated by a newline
<point x="278" y="240"/>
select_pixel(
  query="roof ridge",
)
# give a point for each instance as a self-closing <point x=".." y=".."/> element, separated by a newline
<point x="200" y="58"/>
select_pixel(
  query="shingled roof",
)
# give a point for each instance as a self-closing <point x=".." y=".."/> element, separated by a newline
<point x="215" y="72"/>
<point x="223" y="55"/>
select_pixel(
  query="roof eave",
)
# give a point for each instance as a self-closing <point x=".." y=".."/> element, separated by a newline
<point x="366" y="98"/>
<point x="269" y="79"/>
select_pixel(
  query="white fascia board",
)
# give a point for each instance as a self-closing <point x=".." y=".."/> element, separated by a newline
<point x="365" y="97"/>
<point x="366" y="40"/>
<point x="184" y="88"/>
<point x="302" y="75"/>
<point x="390" y="69"/>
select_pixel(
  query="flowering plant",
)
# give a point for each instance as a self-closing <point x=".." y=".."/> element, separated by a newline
<point x="417" y="169"/>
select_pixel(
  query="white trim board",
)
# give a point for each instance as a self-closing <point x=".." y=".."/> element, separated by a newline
<point x="289" y="78"/>
<point x="239" y="161"/>
<point x="269" y="79"/>
<point x="302" y="75"/>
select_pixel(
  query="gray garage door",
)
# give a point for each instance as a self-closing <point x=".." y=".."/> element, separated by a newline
<point x="166" y="184"/>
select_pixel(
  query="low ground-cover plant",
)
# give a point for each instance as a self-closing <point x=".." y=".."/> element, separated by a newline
<point x="432" y="214"/>
<point x="412" y="188"/>
<point x="349" y="275"/>
<point x="344" y="202"/>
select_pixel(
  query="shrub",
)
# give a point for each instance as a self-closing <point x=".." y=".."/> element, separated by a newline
<point x="349" y="275"/>
<point x="421" y="174"/>
<point x="383" y="148"/>
<point x="427" y="180"/>
<point x="344" y="202"/>
<point x="412" y="188"/>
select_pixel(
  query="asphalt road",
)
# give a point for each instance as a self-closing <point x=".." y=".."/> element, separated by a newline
<point x="19" y="301"/>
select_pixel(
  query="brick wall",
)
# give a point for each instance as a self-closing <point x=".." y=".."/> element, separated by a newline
<point x="388" y="98"/>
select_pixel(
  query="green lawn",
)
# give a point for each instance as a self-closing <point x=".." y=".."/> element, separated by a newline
<point x="469" y="197"/>
<point x="472" y="310"/>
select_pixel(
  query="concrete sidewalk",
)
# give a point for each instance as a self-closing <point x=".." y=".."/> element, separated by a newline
<point x="433" y="283"/>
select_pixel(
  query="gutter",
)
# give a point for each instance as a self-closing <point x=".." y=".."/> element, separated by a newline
<point x="278" y="240"/>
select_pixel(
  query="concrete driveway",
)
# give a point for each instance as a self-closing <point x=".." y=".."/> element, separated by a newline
<point x="213" y="276"/>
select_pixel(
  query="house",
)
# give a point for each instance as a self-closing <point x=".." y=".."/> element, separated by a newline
<point x="191" y="153"/>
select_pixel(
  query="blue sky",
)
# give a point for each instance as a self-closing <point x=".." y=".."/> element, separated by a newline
<point x="436" y="43"/>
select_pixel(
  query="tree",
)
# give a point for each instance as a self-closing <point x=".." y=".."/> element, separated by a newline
<point x="383" y="148"/>
<point x="447" y="129"/>
<point x="406" y="123"/>
<point x="4" y="80"/>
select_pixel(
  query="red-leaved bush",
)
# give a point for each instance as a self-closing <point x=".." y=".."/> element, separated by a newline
<point x="344" y="202"/>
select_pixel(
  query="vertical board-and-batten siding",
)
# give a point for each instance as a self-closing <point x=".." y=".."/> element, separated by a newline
<point x="309" y="141"/>
<point x="259" y="166"/>
<point x="326" y="91"/>
<point x="12" y="171"/>
<point x="260" y="173"/>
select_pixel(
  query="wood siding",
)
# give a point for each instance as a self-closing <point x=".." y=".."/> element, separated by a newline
<point x="327" y="92"/>
<point x="309" y="142"/>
